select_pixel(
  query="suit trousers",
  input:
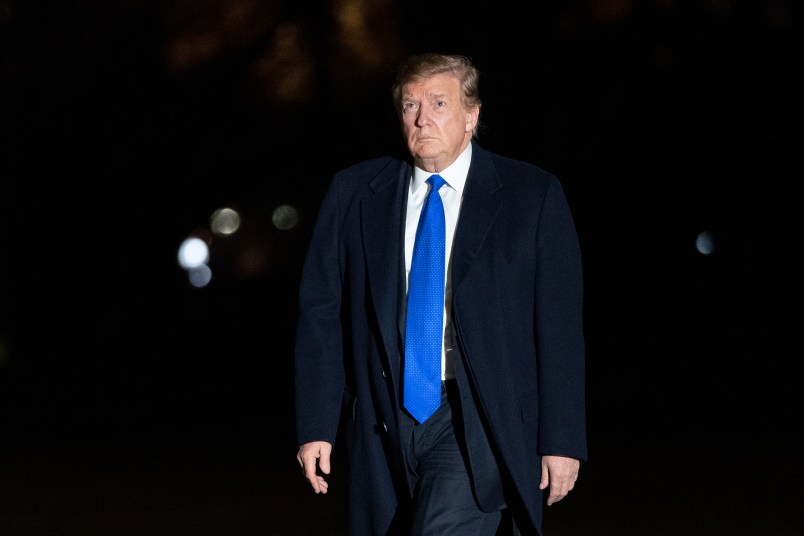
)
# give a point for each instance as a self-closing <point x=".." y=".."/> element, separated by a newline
<point x="443" y="499"/>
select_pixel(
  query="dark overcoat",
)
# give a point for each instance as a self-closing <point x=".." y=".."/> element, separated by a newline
<point x="516" y="309"/>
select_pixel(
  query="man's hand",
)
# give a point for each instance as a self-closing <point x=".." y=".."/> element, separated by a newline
<point x="312" y="456"/>
<point x="560" y="473"/>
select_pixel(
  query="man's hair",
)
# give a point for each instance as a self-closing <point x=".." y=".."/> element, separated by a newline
<point x="421" y="66"/>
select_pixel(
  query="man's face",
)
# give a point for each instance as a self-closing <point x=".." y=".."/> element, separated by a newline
<point x="435" y="124"/>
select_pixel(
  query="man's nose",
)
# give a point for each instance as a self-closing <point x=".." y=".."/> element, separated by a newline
<point x="423" y="117"/>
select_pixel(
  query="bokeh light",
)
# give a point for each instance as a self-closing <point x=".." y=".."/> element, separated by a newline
<point x="705" y="243"/>
<point x="285" y="217"/>
<point x="224" y="221"/>
<point x="193" y="252"/>
<point x="199" y="276"/>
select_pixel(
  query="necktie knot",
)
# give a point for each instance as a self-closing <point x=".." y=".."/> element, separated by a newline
<point x="436" y="182"/>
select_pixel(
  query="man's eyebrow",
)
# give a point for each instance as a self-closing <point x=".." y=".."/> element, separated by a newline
<point x="432" y="96"/>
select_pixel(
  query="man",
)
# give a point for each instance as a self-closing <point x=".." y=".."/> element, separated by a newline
<point x="509" y="423"/>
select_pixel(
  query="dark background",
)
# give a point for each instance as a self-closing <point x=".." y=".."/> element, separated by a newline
<point x="132" y="402"/>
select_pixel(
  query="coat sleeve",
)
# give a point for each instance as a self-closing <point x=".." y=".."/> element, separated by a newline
<point x="559" y="329"/>
<point x="319" y="366"/>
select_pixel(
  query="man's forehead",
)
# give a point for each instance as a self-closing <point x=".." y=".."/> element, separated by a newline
<point x="440" y="85"/>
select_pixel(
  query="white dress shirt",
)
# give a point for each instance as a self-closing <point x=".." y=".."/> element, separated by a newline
<point x="451" y="195"/>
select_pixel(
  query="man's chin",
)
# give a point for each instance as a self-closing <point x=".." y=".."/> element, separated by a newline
<point x="427" y="149"/>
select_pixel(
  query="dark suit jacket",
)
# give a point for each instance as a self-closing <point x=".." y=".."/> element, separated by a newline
<point x="516" y="312"/>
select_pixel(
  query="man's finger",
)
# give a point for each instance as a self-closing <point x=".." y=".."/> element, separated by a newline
<point x="314" y="456"/>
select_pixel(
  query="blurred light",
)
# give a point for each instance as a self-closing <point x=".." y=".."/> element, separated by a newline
<point x="224" y="221"/>
<point x="286" y="71"/>
<point x="203" y="34"/>
<point x="609" y="11"/>
<point x="285" y="217"/>
<point x="705" y="243"/>
<point x="193" y="253"/>
<point x="365" y="30"/>
<point x="199" y="276"/>
<point x="252" y="259"/>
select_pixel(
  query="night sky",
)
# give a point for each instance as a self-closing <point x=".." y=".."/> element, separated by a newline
<point x="126" y="124"/>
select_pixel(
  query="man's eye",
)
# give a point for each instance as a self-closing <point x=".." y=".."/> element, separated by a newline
<point x="440" y="104"/>
<point x="409" y="106"/>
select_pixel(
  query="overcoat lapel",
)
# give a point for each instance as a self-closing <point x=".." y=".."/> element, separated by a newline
<point x="382" y="223"/>
<point x="480" y="206"/>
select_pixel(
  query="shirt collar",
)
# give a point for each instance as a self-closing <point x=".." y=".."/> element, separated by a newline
<point x="454" y="174"/>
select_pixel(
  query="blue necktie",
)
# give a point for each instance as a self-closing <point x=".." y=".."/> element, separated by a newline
<point x="425" y="313"/>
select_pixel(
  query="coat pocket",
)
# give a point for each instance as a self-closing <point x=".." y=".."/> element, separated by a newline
<point x="348" y="407"/>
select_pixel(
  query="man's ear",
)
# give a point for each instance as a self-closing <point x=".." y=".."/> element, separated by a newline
<point x="471" y="118"/>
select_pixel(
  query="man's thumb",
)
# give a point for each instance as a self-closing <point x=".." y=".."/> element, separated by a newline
<point x="323" y="462"/>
